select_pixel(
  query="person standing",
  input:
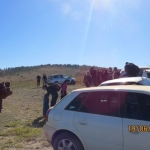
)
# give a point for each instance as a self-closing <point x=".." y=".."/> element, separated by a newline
<point x="104" y="74"/>
<point x="64" y="88"/>
<point x="44" y="78"/>
<point x="87" y="79"/>
<point x="98" y="77"/>
<point x="116" y="73"/>
<point x="110" y="73"/>
<point x="38" y="80"/>
<point x="93" y="74"/>
<point x="4" y="92"/>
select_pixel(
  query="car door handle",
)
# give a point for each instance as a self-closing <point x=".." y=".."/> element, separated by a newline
<point x="83" y="122"/>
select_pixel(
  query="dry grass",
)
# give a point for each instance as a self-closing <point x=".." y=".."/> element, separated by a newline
<point x="21" y="119"/>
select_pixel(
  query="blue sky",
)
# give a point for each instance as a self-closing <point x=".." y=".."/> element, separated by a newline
<point x="92" y="32"/>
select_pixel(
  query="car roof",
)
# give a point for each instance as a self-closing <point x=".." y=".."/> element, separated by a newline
<point x="147" y="70"/>
<point x="139" y="88"/>
<point x="144" y="67"/>
<point x="58" y="74"/>
<point x="126" y="79"/>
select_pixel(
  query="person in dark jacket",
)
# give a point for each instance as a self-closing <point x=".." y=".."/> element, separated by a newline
<point x="38" y="80"/>
<point x="104" y="75"/>
<point x="51" y="90"/>
<point x="98" y="77"/>
<point x="131" y="69"/>
<point x="4" y="92"/>
<point x="44" y="78"/>
<point x="93" y="74"/>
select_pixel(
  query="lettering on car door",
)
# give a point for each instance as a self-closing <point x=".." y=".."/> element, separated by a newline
<point x="136" y="121"/>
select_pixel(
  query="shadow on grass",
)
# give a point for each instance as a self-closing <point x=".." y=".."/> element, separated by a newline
<point x="38" y="123"/>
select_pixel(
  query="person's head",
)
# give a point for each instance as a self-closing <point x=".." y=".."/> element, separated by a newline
<point x="127" y="63"/>
<point x="110" y="69"/>
<point x="88" y="73"/>
<point x="67" y="81"/>
<point x="92" y="68"/>
<point x="115" y="69"/>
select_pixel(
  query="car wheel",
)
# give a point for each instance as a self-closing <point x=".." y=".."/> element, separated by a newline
<point x="67" y="141"/>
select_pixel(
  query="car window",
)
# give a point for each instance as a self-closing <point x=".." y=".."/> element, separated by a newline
<point x="76" y="102"/>
<point x="65" y="76"/>
<point x="89" y="105"/>
<point x="136" y="106"/>
<point x="61" y="76"/>
<point x="56" y="76"/>
<point x="102" y="103"/>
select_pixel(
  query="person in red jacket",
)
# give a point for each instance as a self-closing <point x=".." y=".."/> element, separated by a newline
<point x="64" y="88"/>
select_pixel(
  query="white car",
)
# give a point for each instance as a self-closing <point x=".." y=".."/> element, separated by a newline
<point x="101" y="118"/>
<point x="127" y="81"/>
<point x="60" y="78"/>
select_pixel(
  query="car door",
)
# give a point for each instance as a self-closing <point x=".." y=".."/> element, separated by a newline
<point x="98" y="121"/>
<point x="136" y="121"/>
<point x="61" y="79"/>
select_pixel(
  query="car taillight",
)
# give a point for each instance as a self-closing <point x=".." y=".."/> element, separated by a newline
<point x="47" y="113"/>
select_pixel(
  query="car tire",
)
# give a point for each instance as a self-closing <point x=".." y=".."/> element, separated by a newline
<point x="67" y="140"/>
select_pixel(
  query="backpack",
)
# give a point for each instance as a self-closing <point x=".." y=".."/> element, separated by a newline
<point x="55" y="86"/>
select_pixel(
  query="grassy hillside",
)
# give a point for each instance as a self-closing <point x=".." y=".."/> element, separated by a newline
<point x="21" y="120"/>
<point x="22" y="75"/>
